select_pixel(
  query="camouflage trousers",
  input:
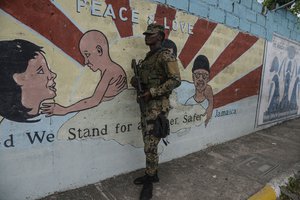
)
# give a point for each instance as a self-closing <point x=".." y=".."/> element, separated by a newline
<point x="150" y="149"/>
<point x="153" y="109"/>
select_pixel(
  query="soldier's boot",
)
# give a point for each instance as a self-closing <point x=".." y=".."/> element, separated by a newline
<point x="147" y="190"/>
<point x="146" y="178"/>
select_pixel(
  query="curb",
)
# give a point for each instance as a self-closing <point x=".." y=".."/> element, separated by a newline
<point x="266" y="193"/>
<point x="271" y="191"/>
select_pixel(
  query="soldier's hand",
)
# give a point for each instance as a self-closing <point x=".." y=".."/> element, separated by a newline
<point x="146" y="96"/>
<point x="133" y="82"/>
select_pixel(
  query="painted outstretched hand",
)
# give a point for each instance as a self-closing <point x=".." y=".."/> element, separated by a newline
<point x="208" y="116"/>
<point x="53" y="109"/>
<point x="207" y="120"/>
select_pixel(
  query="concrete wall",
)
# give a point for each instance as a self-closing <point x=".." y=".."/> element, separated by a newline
<point x="68" y="115"/>
<point x="244" y="15"/>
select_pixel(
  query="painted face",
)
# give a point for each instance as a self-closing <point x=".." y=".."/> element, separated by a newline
<point x="92" y="54"/>
<point x="90" y="58"/>
<point x="37" y="83"/>
<point x="200" y="78"/>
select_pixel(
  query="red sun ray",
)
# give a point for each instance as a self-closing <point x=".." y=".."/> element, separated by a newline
<point x="201" y="32"/>
<point x="240" y="44"/>
<point x="165" y="15"/>
<point x="245" y="87"/>
<point x="43" y="17"/>
<point x="124" y="27"/>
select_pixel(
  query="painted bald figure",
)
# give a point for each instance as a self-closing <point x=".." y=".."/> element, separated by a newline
<point x="94" y="48"/>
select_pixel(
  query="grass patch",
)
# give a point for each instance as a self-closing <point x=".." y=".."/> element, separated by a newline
<point x="292" y="190"/>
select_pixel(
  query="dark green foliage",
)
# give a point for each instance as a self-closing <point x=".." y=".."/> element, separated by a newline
<point x="292" y="190"/>
<point x="294" y="8"/>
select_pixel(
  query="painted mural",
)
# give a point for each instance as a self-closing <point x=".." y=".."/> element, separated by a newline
<point x="65" y="66"/>
<point x="280" y="92"/>
<point x="94" y="48"/>
<point x="26" y="80"/>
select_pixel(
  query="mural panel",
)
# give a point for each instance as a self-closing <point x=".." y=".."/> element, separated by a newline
<point x="65" y="66"/>
<point x="279" y="98"/>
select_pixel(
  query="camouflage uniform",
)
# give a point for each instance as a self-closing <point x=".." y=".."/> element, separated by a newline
<point x="160" y="75"/>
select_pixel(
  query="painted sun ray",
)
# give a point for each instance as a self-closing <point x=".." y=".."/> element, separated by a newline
<point x="246" y="63"/>
<point x="145" y="12"/>
<point x="124" y="27"/>
<point x="179" y="36"/>
<point x="86" y="20"/>
<point x="43" y="19"/>
<point x="220" y="38"/>
<point x="165" y="15"/>
<point x="241" y="43"/>
<point x="59" y="61"/>
<point x="202" y="31"/>
<point x="58" y="6"/>
<point x="242" y="88"/>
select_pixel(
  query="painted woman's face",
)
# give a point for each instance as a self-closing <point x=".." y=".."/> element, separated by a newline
<point x="37" y="83"/>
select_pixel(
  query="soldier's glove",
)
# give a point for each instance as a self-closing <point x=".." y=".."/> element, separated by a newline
<point x="146" y="96"/>
<point x="134" y="82"/>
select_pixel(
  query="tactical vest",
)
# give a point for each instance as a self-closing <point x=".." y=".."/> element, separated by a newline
<point x="153" y="72"/>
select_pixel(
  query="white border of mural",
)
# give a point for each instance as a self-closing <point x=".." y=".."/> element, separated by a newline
<point x="279" y="98"/>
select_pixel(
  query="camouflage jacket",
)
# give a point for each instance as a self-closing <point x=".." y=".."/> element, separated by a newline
<point x="160" y="73"/>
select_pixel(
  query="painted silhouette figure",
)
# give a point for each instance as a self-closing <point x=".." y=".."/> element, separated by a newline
<point x="94" y="48"/>
<point x="281" y="103"/>
<point x="295" y="92"/>
<point x="295" y="95"/>
<point x="25" y="80"/>
<point x="289" y="66"/>
<point x="274" y="93"/>
<point x="285" y="103"/>
<point x="203" y="91"/>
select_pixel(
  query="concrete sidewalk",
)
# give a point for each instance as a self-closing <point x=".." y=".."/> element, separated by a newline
<point x="235" y="170"/>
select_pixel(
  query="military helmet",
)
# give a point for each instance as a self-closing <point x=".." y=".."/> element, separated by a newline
<point x="154" y="28"/>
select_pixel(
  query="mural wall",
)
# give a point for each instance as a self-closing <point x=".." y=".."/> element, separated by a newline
<point x="279" y="97"/>
<point x="67" y="109"/>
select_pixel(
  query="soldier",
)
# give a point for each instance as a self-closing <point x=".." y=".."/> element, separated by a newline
<point x="159" y="75"/>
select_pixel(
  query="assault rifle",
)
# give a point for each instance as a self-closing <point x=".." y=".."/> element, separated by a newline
<point x="161" y="125"/>
<point x="139" y="87"/>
